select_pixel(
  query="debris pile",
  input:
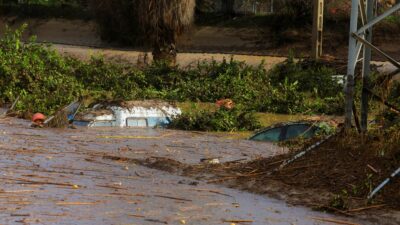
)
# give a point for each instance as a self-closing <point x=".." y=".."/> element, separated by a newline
<point x="343" y="171"/>
<point x="348" y="166"/>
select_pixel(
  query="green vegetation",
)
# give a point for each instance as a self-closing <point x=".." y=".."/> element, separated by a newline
<point x="390" y="118"/>
<point x="46" y="81"/>
<point x="41" y="77"/>
<point x="216" y="120"/>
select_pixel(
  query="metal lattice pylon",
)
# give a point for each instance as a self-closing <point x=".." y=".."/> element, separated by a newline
<point x="362" y="12"/>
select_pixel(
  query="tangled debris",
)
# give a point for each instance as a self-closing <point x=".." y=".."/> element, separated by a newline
<point x="338" y="175"/>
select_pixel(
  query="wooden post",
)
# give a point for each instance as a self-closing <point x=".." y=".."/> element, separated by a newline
<point x="318" y="27"/>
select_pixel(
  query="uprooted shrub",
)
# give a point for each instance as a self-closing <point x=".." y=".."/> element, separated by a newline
<point x="311" y="76"/>
<point x="107" y="80"/>
<point x="291" y="87"/>
<point x="219" y="120"/>
<point x="315" y="80"/>
<point x="209" y="81"/>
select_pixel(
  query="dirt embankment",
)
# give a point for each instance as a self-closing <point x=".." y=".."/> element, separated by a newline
<point x="255" y="41"/>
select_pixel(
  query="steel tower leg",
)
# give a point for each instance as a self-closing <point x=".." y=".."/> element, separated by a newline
<point x="352" y="60"/>
<point x="366" y="68"/>
<point x="362" y="37"/>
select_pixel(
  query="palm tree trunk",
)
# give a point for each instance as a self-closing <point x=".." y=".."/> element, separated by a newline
<point x="162" y="21"/>
<point x="166" y="53"/>
<point x="164" y="47"/>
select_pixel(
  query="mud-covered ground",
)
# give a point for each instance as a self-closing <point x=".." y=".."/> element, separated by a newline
<point x="80" y="39"/>
<point x="54" y="176"/>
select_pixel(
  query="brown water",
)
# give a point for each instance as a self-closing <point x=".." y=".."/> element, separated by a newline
<point x="54" y="176"/>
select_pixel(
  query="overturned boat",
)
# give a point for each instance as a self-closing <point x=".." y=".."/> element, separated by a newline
<point x="141" y="114"/>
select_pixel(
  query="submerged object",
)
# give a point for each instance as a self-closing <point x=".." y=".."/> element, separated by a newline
<point x="38" y="117"/>
<point x="128" y="114"/>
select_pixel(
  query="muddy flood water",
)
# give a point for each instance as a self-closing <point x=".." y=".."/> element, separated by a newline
<point x="58" y="176"/>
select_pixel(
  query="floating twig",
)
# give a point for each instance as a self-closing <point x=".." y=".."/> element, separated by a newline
<point x="174" y="198"/>
<point x="238" y="221"/>
<point x="213" y="191"/>
<point x="76" y="203"/>
<point x="20" y="215"/>
<point x="137" y="216"/>
<point x="366" y="208"/>
<point x="156" y="221"/>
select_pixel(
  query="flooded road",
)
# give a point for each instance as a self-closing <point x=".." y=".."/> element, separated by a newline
<point x="54" y="176"/>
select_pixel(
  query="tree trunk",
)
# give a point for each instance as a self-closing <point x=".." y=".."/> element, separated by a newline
<point x="164" y="48"/>
<point x="166" y="53"/>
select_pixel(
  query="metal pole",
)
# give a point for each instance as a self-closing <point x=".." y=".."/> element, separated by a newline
<point x="379" y="18"/>
<point x="318" y="27"/>
<point x="366" y="68"/>
<point x="386" y="181"/>
<point x="352" y="57"/>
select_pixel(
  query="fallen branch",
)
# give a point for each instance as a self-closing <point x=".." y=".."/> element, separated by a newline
<point x="386" y="181"/>
<point x="235" y="177"/>
<point x="156" y="221"/>
<point x="16" y="202"/>
<point x="235" y="161"/>
<point x="383" y="101"/>
<point x="111" y="186"/>
<point x="137" y="216"/>
<point x="16" y="191"/>
<point x="238" y="221"/>
<point x="20" y="215"/>
<point x="302" y="167"/>
<point x="8" y="111"/>
<point x="328" y="208"/>
<point x="174" y="198"/>
<point x="213" y="191"/>
<point x="366" y="208"/>
<point x="38" y="182"/>
<point x="302" y="153"/>
<point x="372" y="168"/>
<point x="222" y="179"/>
<point x="76" y="203"/>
